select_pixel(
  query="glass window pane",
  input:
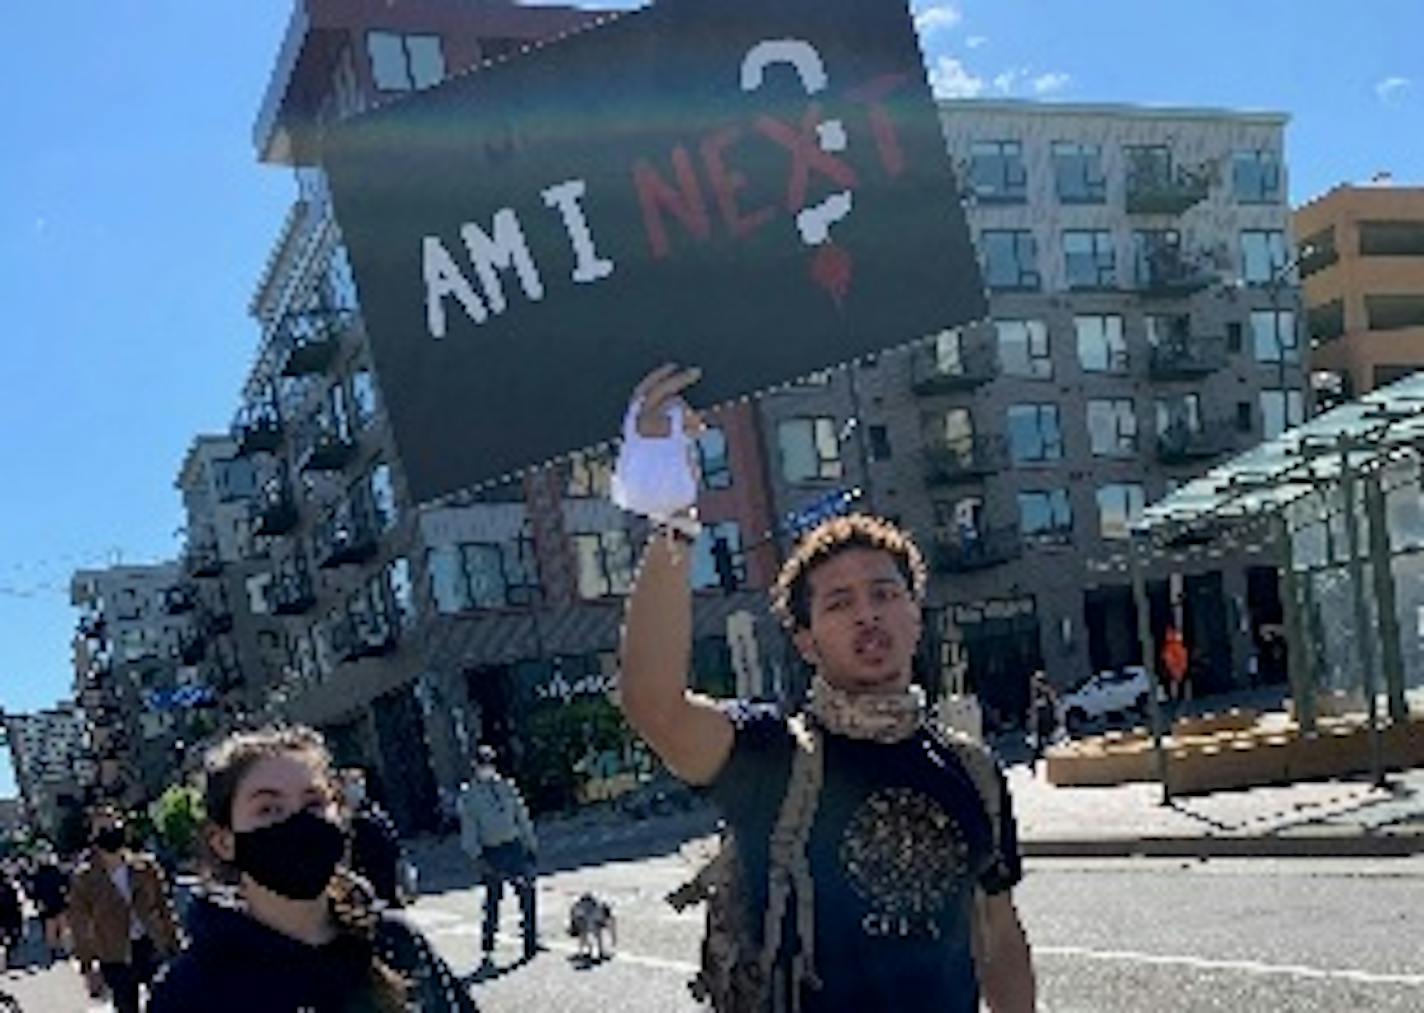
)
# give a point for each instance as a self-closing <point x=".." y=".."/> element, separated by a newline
<point x="828" y="452"/>
<point x="402" y="593"/>
<point x="798" y="451"/>
<point x="485" y="574"/>
<point x="712" y="456"/>
<point x="1024" y="349"/>
<point x="448" y="585"/>
<point x="427" y="61"/>
<point x="388" y="66"/>
<point x="363" y="397"/>
<point x="1101" y="345"/>
<point x="618" y="557"/>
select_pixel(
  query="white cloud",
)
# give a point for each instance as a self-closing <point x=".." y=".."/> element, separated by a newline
<point x="951" y="79"/>
<point x="939" y="17"/>
<point x="1006" y="81"/>
<point x="975" y="41"/>
<point x="1392" y="88"/>
<point x="1053" y="81"/>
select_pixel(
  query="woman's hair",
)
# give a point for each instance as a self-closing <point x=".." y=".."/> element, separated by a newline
<point x="230" y="761"/>
<point x="791" y="595"/>
<point x="225" y="767"/>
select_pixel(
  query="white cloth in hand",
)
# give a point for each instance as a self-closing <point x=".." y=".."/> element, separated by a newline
<point x="654" y="476"/>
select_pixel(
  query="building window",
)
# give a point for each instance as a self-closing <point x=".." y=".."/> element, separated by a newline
<point x="1078" y="173"/>
<point x="704" y="565"/>
<point x="961" y="515"/>
<point x="1112" y="427"/>
<point x="1035" y="435"/>
<point x="1156" y="256"/>
<point x="1256" y="177"/>
<point x="1046" y="516"/>
<point x="1011" y="260"/>
<point x="483" y="566"/>
<point x="1149" y="167"/>
<point x="1119" y="506"/>
<point x="996" y="172"/>
<point x="810" y="449"/>
<point x="952" y="429"/>
<point x="1377" y="239"/>
<point x="1274" y="337"/>
<point x="363" y="397"/>
<point x="339" y="281"/>
<point x="402" y="592"/>
<point x="605" y="563"/>
<point x="1244" y="423"/>
<point x="383" y="498"/>
<point x="1263" y="256"/>
<point x="712" y="459"/>
<point x="405" y="62"/>
<point x="1235" y="336"/>
<point x="1090" y="261"/>
<point x="1179" y="415"/>
<point x="1102" y="348"/>
<point x="1024" y="349"/>
<point x="879" y="438"/>
<point x="236" y="479"/>
<point x="590" y="474"/>
<point x="448" y="587"/>
<point x="1281" y="410"/>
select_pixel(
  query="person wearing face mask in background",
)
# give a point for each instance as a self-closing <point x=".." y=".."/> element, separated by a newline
<point x="497" y="834"/>
<point x="375" y="845"/>
<point x="120" y="914"/>
<point x="280" y="925"/>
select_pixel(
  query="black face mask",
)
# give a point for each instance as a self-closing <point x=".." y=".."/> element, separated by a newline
<point x="110" y="839"/>
<point x="295" y="858"/>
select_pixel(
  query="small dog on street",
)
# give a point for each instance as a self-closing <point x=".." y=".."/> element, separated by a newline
<point x="591" y="922"/>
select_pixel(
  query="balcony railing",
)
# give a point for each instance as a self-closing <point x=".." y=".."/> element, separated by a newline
<point x="1188" y="357"/>
<point x="274" y="511"/>
<point x="976" y="365"/>
<point x="292" y="594"/>
<point x="258" y="430"/>
<point x="1168" y="271"/>
<point x="178" y="601"/>
<point x="190" y="648"/>
<point x="203" y="560"/>
<point x="977" y="550"/>
<point x="328" y="449"/>
<point x="1183" y="443"/>
<point x="307" y="342"/>
<point x="1317" y="258"/>
<point x="371" y="637"/>
<point x="1153" y="191"/>
<point x="968" y="460"/>
<point x="346" y="536"/>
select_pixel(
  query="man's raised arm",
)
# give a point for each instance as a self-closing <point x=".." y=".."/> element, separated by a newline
<point x="691" y="735"/>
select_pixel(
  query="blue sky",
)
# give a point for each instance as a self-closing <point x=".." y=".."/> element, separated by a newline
<point x="134" y="222"/>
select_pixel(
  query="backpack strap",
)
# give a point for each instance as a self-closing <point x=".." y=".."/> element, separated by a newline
<point x="979" y="764"/>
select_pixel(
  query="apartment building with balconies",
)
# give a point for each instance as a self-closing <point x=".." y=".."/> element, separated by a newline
<point x="49" y="757"/>
<point x="1361" y="254"/>
<point x="1143" y="325"/>
<point x="144" y="676"/>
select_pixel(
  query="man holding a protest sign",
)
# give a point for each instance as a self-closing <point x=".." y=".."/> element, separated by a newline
<point x="872" y="855"/>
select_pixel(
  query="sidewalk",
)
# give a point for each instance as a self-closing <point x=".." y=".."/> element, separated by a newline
<point x="1330" y="818"/>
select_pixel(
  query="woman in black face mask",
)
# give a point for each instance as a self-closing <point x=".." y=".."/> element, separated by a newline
<point x="283" y="926"/>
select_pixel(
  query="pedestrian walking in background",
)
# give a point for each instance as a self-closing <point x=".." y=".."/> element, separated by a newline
<point x="498" y="835"/>
<point x="280" y="925"/>
<point x="49" y="889"/>
<point x="375" y="844"/>
<point x="121" y="915"/>
<point x="1043" y="706"/>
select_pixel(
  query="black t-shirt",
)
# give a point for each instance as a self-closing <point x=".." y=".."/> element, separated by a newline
<point x="900" y="840"/>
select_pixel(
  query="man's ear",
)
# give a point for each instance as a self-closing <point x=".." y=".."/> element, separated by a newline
<point x="222" y="843"/>
<point x="806" y="647"/>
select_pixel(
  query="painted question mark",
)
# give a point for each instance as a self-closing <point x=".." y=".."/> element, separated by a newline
<point x="814" y="223"/>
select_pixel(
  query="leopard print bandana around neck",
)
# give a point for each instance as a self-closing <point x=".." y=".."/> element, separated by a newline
<point x="877" y="717"/>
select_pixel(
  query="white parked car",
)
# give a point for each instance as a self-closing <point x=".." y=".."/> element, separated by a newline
<point x="1107" y="693"/>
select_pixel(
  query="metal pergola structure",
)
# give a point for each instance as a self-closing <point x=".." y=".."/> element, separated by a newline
<point x="1335" y="472"/>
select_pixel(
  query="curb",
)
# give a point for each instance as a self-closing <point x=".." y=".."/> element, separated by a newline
<point x="1300" y="846"/>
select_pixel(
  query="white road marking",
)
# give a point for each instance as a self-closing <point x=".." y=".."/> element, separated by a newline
<point x="1241" y="966"/>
